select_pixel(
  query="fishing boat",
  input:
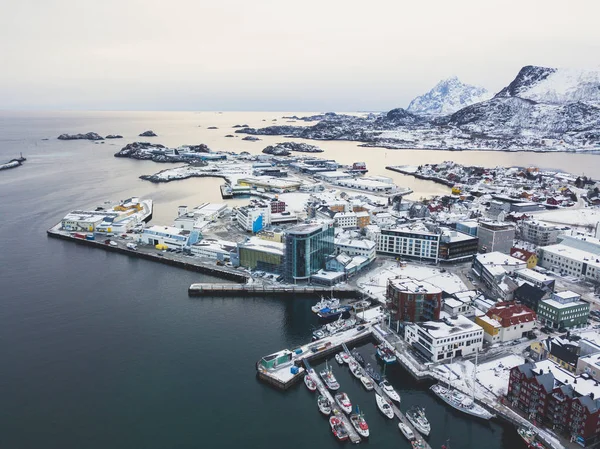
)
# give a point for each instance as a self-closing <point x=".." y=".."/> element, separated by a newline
<point x="343" y="401"/>
<point x="373" y="373"/>
<point x="333" y="313"/>
<point x="530" y="438"/>
<point x="367" y="383"/>
<point x="409" y="434"/>
<point x="324" y="405"/>
<point x="339" y="359"/>
<point x="386" y="354"/>
<point x="310" y="383"/>
<point x="338" y="428"/>
<point x="389" y="390"/>
<point x="359" y="423"/>
<point x="460" y="402"/>
<point x="358" y="357"/>
<point x="329" y="378"/>
<point x="355" y="370"/>
<point x="416" y="416"/>
<point x="324" y="303"/>
<point x="384" y="406"/>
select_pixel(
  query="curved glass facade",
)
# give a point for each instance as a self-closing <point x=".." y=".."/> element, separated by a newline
<point x="306" y="249"/>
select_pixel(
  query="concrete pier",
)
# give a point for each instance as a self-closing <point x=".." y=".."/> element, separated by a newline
<point x="270" y="290"/>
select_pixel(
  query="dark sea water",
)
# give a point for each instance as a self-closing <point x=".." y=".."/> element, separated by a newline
<point x="99" y="350"/>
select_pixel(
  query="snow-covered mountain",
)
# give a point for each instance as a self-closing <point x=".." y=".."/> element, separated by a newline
<point x="447" y="97"/>
<point x="554" y="86"/>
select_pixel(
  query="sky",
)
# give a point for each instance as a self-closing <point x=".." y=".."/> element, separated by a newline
<point x="277" y="55"/>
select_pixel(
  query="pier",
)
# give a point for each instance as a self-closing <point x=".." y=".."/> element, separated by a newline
<point x="270" y="290"/>
<point x="352" y="435"/>
<point x="401" y="169"/>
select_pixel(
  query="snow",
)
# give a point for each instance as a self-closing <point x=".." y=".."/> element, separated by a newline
<point x="582" y="218"/>
<point x="566" y="86"/>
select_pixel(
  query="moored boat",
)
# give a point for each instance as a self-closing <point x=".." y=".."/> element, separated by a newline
<point x="361" y="305"/>
<point x="409" y="434"/>
<point x="530" y="438"/>
<point x="416" y="416"/>
<point x="358" y="357"/>
<point x="367" y="383"/>
<point x="333" y="313"/>
<point x="339" y="359"/>
<point x="329" y="379"/>
<point x="359" y="423"/>
<point x="384" y="406"/>
<point x="389" y="390"/>
<point x="338" y="428"/>
<point x="386" y="354"/>
<point x="345" y="357"/>
<point x="343" y="401"/>
<point x="373" y="373"/>
<point x="310" y="383"/>
<point x="461" y="402"/>
<point x="417" y="443"/>
<point x="324" y="303"/>
<point x="324" y="405"/>
<point x="355" y="370"/>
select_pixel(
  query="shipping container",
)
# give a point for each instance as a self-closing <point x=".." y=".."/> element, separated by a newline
<point x="79" y="235"/>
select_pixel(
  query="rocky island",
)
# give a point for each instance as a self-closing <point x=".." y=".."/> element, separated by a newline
<point x="148" y="133"/>
<point x="250" y="138"/>
<point x="159" y="153"/>
<point x="114" y="136"/>
<point x="285" y="148"/>
<point x="86" y="136"/>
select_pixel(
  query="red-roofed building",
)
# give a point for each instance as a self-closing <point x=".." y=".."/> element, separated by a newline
<point x="506" y="321"/>
<point x="530" y="258"/>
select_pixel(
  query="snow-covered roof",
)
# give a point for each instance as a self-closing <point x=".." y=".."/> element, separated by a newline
<point x="449" y="328"/>
<point x="561" y="250"/>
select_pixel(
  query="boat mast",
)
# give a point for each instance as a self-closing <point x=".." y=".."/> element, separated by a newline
<point x="474" y="377"/>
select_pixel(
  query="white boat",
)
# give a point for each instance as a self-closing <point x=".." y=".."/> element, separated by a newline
<point x="416" y="416"/>
<point x="409" y="434"/>
<point x="324" y="405"/>
<point x="360" y="424"/>
<point x="355" y="370"/>
<point x="339" y="359"/>
<point x="332" y="303"/>
<point x="329" y="378"/>
<point x="345" y="357"/>
<point x="389" y="390"/>
<point x="367" y="383"/>
<point x="338" y="428"/>
<point x="343" y="401"/>
<point x="384" y="406"/>
<point x="460" y="402"/>
<point x="361" y="305"/>
<point x="310" y="383"/>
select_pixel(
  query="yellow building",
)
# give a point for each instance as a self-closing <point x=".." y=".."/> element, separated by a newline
<point x="530" y="258"/>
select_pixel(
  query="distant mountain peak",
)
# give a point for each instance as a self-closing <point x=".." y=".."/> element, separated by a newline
<point x="447" y="96"/>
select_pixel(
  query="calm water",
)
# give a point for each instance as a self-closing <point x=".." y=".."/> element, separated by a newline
<point x="102" y="351"/>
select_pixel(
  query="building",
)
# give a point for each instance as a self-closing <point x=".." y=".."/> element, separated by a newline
<point x="583" y="242"/>
<point x="468" y="227"/>
<point x="536" y="279"/>
<point x="506" y="321"/>
<point x="492" y="267"/>
<point x="277" y="206"/>
<point x="564" y="311"/>
<point x="530" y="258"/>
<point x="590" y="365"/>
<point x="345" y="220"/>
<point x="355" y="247"/>
<point x="553" y="397"/>
<point x="170" y="236"/>
<point x="262" y="255"/>
<point x="82" y="221"/>
<point x="270" y="183"/>
<point x="498" y="210"/>
<point x="444" y="340"/>
<point x="362" y="219"/>
<point x="350" y="265"/>
<point x="368" y="184"/>
<point x="569" y="261"/>
<point x="213" y="249"/>
<point x="254" y="217"/>
<point x="416" y="243"/>
<point x="412" y="300"/>
<point x="538" y="233"/>
<point x="456" y="246"/>
<point x="495" y="236"/>
<point x="530" y="295"/>
<point x="307" y="247"/>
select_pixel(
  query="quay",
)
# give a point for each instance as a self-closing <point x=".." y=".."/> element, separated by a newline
<point x="401" y="169"/>
<point x="270" y="290"/>
<point x="352" y="434"/>
<point x="173" y="259"/>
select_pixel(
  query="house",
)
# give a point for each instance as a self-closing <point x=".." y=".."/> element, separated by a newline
<point x="530" y="258"/>
<point x="529" y="295"/>
<point x="506" y="321"/>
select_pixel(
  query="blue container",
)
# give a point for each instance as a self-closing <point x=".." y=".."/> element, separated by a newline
<point x="298" y="351"/>
<point x="294" y="369"/>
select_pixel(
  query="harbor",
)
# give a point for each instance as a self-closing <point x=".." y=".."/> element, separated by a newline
<point x="261" y="290"/>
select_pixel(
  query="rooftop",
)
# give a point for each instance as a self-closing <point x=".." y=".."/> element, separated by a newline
<point x="450" y="327"/>
<point x="411" y="285"/>
<point x="572" y="253"/>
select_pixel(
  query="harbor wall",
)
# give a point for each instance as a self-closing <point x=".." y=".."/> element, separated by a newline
<point x="259" y="290"/>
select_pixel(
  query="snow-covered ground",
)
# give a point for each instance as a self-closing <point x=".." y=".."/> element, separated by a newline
<point x="582" y="218"/>
<point x="376" y="281"/>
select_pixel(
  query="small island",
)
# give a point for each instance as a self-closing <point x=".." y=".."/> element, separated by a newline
<point x="86" y="136"/>
<point x="251" y="138"/>
<point x="285" y="148"/>
<point x="114" y="136"/>
<point x="212" y="127"/>
<point x="148" y="133"/>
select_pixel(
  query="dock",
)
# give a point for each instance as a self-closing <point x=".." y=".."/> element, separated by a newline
<point x="204" y="289"/>
<point x="335" y="409"/>
<point x="397" y="412"/>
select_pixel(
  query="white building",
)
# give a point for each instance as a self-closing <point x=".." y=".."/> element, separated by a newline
<point x="213" y="249"/>
<point x="82" y="221"/>
<point x="570" y="261"/>
<point x="540" y="233"/>
<point x="582" y="242"/>
<point x="355" y="247"/>
<point x="254" y="217"/>
<point x="418" y="243"/>
<point x="345" y="220"/>
<point x="442" y="340"/>
<point x="169" y="236"/>
<point x="367" y="184"/>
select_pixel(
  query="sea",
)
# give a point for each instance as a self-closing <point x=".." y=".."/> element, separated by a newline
<point x="99" y="350"/>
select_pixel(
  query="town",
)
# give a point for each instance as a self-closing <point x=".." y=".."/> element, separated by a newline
<point x="492" y="288"/>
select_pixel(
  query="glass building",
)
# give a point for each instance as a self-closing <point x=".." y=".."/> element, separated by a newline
<point x="306" y="249"/>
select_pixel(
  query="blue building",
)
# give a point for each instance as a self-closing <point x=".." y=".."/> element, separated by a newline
<point x="307" y="247"/>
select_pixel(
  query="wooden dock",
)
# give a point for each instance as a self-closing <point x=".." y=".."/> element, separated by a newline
<point x="381" y="393"/>
<point x="335" y="409"/>
<point x="269" y="290"/>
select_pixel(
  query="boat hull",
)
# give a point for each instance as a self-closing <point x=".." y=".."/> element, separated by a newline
<point x="477" y="412"/>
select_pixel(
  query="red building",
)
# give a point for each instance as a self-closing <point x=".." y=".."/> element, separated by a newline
<point x="412" y="300"/>
<point x="277" y="206"/>
<point x="553" y="397"/>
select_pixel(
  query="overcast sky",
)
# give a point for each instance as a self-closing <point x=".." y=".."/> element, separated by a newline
<point x="310" y="55"/>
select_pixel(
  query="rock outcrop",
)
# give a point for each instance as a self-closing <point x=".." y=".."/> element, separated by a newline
<point x="148" y="133"/>
<point x="114" y="136"/>
<point x="285" y="148"/>
<point x="86" y="136"/>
